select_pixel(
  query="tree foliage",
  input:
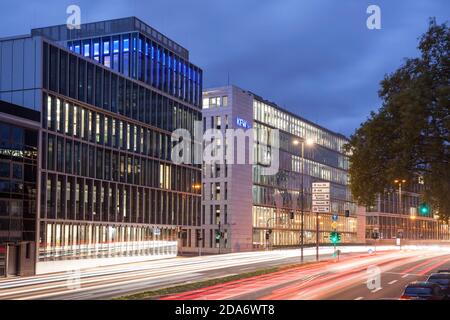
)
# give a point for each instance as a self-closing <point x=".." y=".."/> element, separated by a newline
<point x="408" y="137"/>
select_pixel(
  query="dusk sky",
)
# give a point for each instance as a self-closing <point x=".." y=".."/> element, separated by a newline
<point x="314" y="57"/>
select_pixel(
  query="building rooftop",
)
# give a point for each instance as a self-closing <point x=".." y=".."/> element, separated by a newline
<point x="114" y="26"/>
<point x="273" y="104"/>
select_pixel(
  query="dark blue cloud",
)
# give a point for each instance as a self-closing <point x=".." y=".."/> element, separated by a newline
<point x="314" y="57"/>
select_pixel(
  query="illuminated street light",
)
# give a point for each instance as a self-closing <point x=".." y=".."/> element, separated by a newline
<point x="309" y="142"/>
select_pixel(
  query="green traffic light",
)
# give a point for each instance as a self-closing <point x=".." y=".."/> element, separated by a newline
<point x="335" y="237"/>
<point x="424" y="209"/>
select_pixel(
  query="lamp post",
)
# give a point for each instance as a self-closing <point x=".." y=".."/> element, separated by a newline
<point x="309" y="142"/>
<point x="197" y="187"/>
<point x="400" y="182"/>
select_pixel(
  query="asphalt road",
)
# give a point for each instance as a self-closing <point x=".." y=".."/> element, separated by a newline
<point x="328" y="279"/>
<point x="366" y="277"/>
<point x="114" y="281"/>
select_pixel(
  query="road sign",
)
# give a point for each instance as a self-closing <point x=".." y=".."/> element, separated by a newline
<point x="321" y="196"/>
<point x="321" y="190"/>
<point x="321" y="185"/>
<point x="334" y="225"/>
<point x="157" y="231"/>
<point x="321" y="209"/>
<point x="335" y="217"/>
<point x="321" y="203"/>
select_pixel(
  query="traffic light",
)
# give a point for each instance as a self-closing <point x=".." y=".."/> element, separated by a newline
<point x="424" y="209"/>
<point x="347" y="213"/>
<point x="268" y="233"/>
<point x="218" y="235"/>
<point x="335" y="237"/>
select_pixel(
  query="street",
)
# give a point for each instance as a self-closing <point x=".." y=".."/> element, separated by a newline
<point x="346" y="279"/>
<point x="328" y="279"/>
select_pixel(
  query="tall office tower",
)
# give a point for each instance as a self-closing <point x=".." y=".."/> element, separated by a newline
<point x="86" y="122"/>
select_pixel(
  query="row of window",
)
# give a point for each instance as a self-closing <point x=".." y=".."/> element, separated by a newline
<point x="140" y="58"/>
<point x="82" y="159"/>
<point x="71" y="198"/>
<point x="280" y="238"/>
<point x="274" y="117"/>
<point x="129" y="99"/>
<point x="59" y="241"/>
<point x="83" y="81"/>
<point x="73" y="120"/>
<point x="215" y="102"/>
<point x="405" y="228"/>
<point x="18" y="172"/>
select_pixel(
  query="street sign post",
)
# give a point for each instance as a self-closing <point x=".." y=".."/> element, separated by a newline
<point x="320" y="204"/>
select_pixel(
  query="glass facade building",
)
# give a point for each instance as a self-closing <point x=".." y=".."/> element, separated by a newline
<point x="110" y="96"/>
<point x="397" y="215"/>
<point x="276" y="196"/>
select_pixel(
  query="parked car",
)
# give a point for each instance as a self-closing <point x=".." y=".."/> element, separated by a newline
<point x="423" y="291"/>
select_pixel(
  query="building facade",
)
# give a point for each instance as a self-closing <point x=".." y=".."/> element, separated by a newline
<point x="107" y="98"/>
<point x="401" y="213"/>
<point x="241" y="204"/>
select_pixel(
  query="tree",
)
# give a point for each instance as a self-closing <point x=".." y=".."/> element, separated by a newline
<point x="409" y="137"/>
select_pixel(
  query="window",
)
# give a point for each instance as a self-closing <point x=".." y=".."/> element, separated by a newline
<point x="86" y="50"/>
<point x="4" y="169"/>
<point x="205" y="103"/>
<point x="17" y="171"/>
<point x="106" y="47"/>
<point x="49" y="112"/>
<point x="58" y="115"/>
<point x="75" y="115"/>
<point x="224" y="101"/>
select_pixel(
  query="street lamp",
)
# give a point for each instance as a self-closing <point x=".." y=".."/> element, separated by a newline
<point x="400" y="182"/>
<point x="309" y="142"/>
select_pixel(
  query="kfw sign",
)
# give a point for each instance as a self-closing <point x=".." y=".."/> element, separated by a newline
<point x="242" y="123"/>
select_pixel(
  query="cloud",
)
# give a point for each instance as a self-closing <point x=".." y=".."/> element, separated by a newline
<point x="314" y="57"/>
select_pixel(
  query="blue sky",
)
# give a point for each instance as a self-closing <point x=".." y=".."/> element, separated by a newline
<point x="313" y="57"/>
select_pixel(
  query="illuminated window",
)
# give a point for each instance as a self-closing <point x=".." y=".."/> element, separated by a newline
<point x="106" y="130"/>
<point x="90" y="125"/>
<point x="116" y="46"/>
<point x="205" y="103"/>
<point x="86" y="50"/>
<point x="97" y="128"/>
<point x="66" y="118"/>
<point x="75" y="115"/>
<point x="128" y="137"/>
<point x="106" y="47"/>
<point x="49" y="112"/>
<point x="224" y="101"/>
<point x="58" y="114"/>
<point x="126" y="45"/>
<point x="82" y="123"/>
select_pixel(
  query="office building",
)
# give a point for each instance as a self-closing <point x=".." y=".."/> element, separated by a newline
<point x="402" y="213"/>
<point x="245" y="209"/>
<point x="94" y="179"/>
